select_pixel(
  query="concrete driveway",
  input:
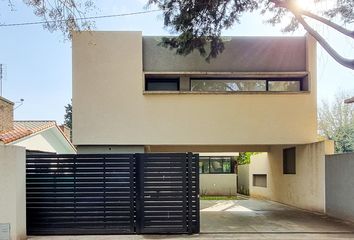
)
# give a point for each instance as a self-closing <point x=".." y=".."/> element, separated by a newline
<point x="249" y="219"/>
<point x="260" y="216"/>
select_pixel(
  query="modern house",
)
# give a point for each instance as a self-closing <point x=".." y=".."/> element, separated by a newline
<point x="132" y="95"/>
<point x="35" y="136"/>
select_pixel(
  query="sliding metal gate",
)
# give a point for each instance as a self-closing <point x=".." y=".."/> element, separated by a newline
<point x="112" y="193"/>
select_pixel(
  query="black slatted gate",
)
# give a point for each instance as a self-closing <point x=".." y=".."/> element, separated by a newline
<point x="165" y="194"/>
<point x="112" y="194"/>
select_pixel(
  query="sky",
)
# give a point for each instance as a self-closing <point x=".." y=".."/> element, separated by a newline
<point x="38" y="63"/>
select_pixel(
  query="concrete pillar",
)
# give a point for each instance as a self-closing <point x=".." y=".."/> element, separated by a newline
<point x="13" y="190"/>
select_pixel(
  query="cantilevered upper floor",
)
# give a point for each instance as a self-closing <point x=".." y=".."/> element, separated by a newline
<point x="128" y="90"/>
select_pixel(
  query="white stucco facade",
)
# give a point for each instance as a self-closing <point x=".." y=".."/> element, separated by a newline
<point x="305" y="189"/>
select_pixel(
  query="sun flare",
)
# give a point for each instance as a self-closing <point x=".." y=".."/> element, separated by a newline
<point x="308" y="5"/>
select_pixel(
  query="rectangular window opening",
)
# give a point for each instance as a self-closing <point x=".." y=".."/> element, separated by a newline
<point x="246" y="85"/>
<point x="227" y="85"/>
<point x="162" y="84"/>
<point x="216" y="165"/>
<point x="284" y="86"/>
<point x="289" y="160"/>
<point x="260" y="180"/>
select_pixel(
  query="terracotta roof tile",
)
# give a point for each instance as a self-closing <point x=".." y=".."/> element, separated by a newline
<point x="25" y="128"/>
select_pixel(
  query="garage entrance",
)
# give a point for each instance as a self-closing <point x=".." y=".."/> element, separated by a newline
<point x="112" y="193"/>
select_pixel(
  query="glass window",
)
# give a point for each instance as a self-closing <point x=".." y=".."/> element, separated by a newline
<point x="204" y="166"/>
<point x="226" y="166"/>
<point x="216" y="166"/>
<point x="161" y="84"/>
<point x="284" y="86"/>
<point x="227" y="85"/>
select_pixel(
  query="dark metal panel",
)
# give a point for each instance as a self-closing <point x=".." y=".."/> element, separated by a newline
<point x="80" y="194"/>
<point x="112" y="193"/>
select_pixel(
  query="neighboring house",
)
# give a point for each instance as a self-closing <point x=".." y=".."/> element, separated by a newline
<point x="35" y="136"/>
<point x="130" y="94"/>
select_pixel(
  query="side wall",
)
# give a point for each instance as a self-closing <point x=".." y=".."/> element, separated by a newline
<point x="218" y="184"/>
<point x="340" y="186"/>
<point x="13" y="190"/>
<point x="243" y="182"/>
<point x="306" y="188"/>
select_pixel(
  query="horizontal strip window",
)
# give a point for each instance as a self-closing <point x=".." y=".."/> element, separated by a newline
<point x="162" y="84"/>
<point x="284" y="86"/>
<point x="227" y="85"/>
<point x="216" y="165"/>
<point x="246" y="85"/>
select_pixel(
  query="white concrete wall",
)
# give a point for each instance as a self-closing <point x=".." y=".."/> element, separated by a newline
<point x="243" y="183"/>
<point x="218" y="184"/>
<point x="340" y="186"/>
<point x="13" y="190"/>
<point x="50" y="140"/>
<point x="306" y="188"/>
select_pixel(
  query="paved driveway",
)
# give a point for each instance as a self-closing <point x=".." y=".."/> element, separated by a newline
<point x="250" y="219"/>
<point x="259" y="216"/>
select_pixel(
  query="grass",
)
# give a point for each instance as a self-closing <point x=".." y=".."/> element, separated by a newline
<point x="218" y="198"/>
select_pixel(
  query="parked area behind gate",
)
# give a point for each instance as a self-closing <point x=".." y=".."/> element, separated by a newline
<point x="251" y="219"/>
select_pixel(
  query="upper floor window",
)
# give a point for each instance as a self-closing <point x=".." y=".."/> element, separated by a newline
<point x="205" y="83"/>
<point x="245" y="85"/>
<point x="284" y="86"/>
<point x="227" y="85"/>
<point x="162" y="84"/>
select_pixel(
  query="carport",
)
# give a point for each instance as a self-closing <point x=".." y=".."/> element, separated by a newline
<point x="250" y="215"/>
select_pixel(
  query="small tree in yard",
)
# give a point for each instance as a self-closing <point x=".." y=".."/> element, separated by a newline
<point x="244" y="158"/>
<point x="336" y="122"/>
<point x="68" y="117"/>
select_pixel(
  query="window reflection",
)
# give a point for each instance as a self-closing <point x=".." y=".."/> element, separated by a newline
<point x="215" y="165"/>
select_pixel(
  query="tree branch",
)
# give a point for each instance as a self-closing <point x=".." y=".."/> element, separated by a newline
<point x="328" y="23"/>
<point x="349" y="63"/>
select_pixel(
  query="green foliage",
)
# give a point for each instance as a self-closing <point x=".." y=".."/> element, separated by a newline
<point x="336" y="122"/>
<point x="344" y="9"/>
<point x="63" y="15"/>
<point x="199" y="23"/>
<point x="68" y="117"/>
<point x="244" y="158"/>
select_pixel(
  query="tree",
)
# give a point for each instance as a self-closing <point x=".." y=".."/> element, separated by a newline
<point x="68" y="117"/>
<point x="61" y="15"/>
<point x="244" y="158"/>
<point x="336" y="122"/>
<point x="199" y="23"/>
